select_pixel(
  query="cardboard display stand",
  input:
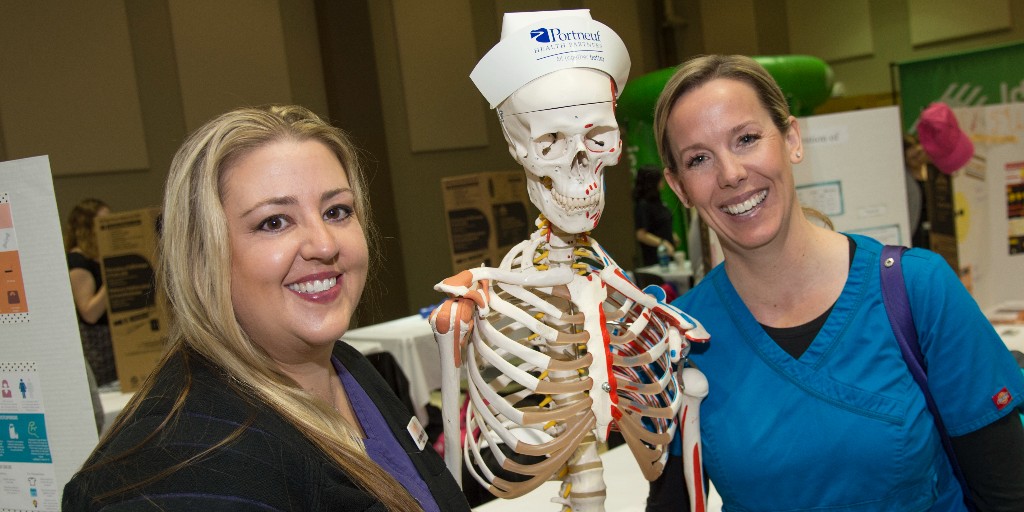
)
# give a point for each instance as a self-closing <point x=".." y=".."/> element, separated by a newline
<point x="127" y="244"/>
<point x="486" y="214"/>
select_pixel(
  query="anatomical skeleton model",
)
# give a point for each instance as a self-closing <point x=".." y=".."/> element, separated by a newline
<point x="558" y="346"/>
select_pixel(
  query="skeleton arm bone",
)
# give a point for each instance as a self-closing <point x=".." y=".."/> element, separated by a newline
<point x="452" y="323"/>
<point x="695" y="388"/>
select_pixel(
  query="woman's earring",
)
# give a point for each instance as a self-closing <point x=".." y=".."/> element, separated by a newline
<point x="798" y="154"/>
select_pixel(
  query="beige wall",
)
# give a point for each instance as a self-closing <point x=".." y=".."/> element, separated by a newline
<point x="712" y="26"/>
<point x="178" y="62"/>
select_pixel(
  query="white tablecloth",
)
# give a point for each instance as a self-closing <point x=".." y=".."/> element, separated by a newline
<point x="411" y="341"/>
<point x="1008" y="319"/>
<point x="626" y="489"/>
<point x="677" y="274"/>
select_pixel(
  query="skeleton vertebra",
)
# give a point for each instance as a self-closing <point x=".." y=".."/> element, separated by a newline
<point x="561" y="348"/>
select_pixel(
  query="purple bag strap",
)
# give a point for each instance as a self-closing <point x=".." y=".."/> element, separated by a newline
<point x="897" y="306"/>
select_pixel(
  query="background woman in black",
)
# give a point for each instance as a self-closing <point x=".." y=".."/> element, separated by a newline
<point x="652" y="218"/>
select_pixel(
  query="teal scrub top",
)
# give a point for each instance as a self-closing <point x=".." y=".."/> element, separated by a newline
<point x="844" y="427"/>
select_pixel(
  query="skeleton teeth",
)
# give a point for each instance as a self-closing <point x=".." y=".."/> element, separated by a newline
<point x="745" y="206"/>
<point x="575" y="204"/>
<point x="315" y="286"/>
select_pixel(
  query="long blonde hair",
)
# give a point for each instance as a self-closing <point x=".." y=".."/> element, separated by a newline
<point x="194" y="270"/>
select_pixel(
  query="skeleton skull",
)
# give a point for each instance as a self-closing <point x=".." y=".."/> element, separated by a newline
<point x="561" y="128"/>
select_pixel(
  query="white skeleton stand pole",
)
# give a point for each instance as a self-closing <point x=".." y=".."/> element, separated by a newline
<point x="558" y="347"/>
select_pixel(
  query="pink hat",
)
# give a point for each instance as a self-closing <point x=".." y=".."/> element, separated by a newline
<point x="946" y="145"/>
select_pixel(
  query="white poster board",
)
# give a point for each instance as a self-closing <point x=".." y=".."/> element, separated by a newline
<point x="853" y="172"/>
<point x="989" y="200"/>
<point x="47" y="426"/>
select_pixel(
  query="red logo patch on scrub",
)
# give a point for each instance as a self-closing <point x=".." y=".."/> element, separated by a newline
<point x="1002" y="399"/>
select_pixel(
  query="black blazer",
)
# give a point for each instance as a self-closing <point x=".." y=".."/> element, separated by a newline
<point x="268" y="466"/>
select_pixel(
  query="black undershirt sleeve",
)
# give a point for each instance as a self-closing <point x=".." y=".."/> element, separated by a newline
<point x="992" y="460"/>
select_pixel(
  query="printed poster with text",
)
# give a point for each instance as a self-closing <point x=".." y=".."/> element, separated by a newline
<point x="41" y="360"/>
<point x="26" y="466"/>
<point x="13" y="303"/>
<point x="1015" y="206"/>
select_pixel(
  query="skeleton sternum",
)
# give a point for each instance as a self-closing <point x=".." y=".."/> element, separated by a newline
<point x="588" y="293"/>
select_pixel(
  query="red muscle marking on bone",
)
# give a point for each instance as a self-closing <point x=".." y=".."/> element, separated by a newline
<point x="619" y="271"/>
<point x="691" y="338"/>
<point x="479" y="296"/>
<point x="612" y="381"/>
<point x="440" y="317"/>
<point x="667" y="318"/>
<point x="588" y="125"/>
<point x="463" y="315"/>
<point x="464" y="278"/>
<point x="698" y="479"/>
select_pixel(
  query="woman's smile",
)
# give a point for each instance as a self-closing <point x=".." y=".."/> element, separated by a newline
<point x="318" y="289"/>
<point x="746" y="206"/>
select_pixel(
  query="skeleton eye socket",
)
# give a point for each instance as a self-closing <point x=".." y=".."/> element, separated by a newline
<point x="601" y="139"/>
<point x="556" y="145"/>
<point x="551" y="145"/>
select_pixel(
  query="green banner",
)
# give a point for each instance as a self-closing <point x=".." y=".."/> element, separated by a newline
<point x="969" y="79"/>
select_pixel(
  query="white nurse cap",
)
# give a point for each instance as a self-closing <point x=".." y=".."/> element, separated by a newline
<point x="534" y="44"/>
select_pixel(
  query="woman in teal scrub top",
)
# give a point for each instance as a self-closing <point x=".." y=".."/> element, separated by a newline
<point x="811" y="405"/>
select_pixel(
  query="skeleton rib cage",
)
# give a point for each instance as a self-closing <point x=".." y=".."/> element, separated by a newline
<point x="564" y="347"/>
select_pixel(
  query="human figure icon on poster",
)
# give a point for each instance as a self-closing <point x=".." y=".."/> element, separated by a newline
<point x="23" y="388"/>
<point x="5" y="390"/>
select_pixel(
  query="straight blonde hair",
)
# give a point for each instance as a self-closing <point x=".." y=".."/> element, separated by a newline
<point x="194" y="271"/>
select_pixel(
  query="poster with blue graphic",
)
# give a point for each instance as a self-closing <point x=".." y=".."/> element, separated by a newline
<point x="26" y="465"/>
<point x="41" y="359"/>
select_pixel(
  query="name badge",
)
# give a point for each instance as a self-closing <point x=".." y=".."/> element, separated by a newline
<point x="419" y="436"/>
